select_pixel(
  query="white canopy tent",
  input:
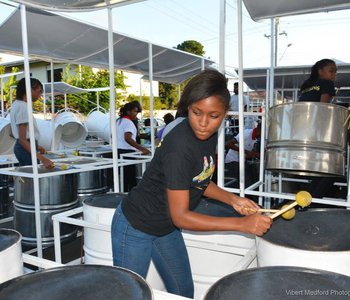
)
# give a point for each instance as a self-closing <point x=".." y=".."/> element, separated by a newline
<point x="33" y="32"/>
<point x="265" y="9"/>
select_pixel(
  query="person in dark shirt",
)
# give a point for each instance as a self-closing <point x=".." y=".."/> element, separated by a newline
<point x="319" y="87"/>
<point x="147" y="224"/>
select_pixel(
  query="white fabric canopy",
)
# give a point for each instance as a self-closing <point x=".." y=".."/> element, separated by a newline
<point x="74" y="5"/>
<point x="263" y="9"/>
<point x="291" y="77"/>
<point x="61" y="88"/>
<point x="62" y="39"/>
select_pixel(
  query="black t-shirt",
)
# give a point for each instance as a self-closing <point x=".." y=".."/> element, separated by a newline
<point x="181" y="162"/>
<point x="313" y="93"/>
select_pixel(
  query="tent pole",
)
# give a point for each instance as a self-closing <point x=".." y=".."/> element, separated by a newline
<point x="31" y="131"/>
<point x="53" y="146"/>
<point x="221" y="132"/>
<point x="240" y="100"/>
<point x="151" y="100"/>
<point x="112" y="100"/>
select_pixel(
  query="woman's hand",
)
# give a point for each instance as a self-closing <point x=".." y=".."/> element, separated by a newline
<point x="47" y="163"/>
<point x="244" y="206"/>
<point x="145" y="151"/>
<point x="256" y="224"/>
<point x="41" y="150"/>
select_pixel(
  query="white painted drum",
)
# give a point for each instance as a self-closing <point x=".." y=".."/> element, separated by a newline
<point x="98" y="124"/>
<point x="74" y="132"/>
<point x="214" y="255"/>
<point x="47" y="136"/>
<point x="99" y="210"/>
<point x="11" y="261"/>
<point x="6" y="140"/>
<point x="315" y="238"/>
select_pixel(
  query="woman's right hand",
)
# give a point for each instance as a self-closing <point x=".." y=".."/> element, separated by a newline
<point x="47" y="163"/>
<point x="256" y="224"/>
<point x="145" y="151"/>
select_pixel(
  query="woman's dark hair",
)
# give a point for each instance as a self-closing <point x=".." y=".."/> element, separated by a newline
<point x="126" y="108"/>
<point x="206" y="84"/>
<point x="21" y="87"/>
<point x="314" y="71"/>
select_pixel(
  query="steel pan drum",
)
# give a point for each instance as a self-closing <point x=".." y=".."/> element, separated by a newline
<point x="277" y="283"/>
<point x="315" y="238"/>
<point x="86" y="282"/>
<point x="307" y="138"/>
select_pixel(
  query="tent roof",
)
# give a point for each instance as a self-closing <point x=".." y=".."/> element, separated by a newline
<point x="62" y="39"/>
<point x="291" y="77"/>
<point x="61" y="88"/>
<point x="264" y="9"/>
<point x="73" y="5"/>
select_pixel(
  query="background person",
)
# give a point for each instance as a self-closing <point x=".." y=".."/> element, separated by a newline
<point x="251" y="136"/>
<point x="319" y="87"/>
<point x="126" y="141"/>
<point x="168" y="118"/>
<point x="20" y="127"/>
<point x="147" y="224"/>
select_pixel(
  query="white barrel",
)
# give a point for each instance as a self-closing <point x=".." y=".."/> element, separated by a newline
<point x="74" y="132"/>
<point x="47" y="136"/>
<point x="6" y="140"/>
<point x="99" y="210"/>
<point x="97" y="124"/>
<point x="11" y="260"/>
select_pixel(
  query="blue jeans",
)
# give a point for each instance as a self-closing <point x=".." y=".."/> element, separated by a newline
<point x="134" y="249"/>
<point x="24" y="158"/>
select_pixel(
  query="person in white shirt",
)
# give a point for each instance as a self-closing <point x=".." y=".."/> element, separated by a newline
<point x="249" y="121"/>
<point x="20" y="128"/>
<point x="232" y="157"/>
<point x="126" y="141"/>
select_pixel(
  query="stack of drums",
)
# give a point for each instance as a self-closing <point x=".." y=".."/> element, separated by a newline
<point x="275" y="283"/>
<point x="301" y="142"/>
<point x="315" y="238"/>
<point x="4" y="196"/>
<point x="57" y="194"/>
<point x="11" y="261"/>
<point x="77" y="282"/>
<point x="90" y="182"/>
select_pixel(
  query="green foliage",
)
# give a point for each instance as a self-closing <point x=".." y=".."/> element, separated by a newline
<point x="10" y="81"/>
<point x="169" y="92"/>
<point x="86" y="78"/>
<point x="157" y="103"/>
<point x="192" y="46"/>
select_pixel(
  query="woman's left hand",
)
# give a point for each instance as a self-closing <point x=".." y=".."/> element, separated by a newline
<point x="41" y="150"/>
<point x="244" y="206"/>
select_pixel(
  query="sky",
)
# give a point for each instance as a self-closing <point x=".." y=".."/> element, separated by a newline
<point x="303" y="39"/>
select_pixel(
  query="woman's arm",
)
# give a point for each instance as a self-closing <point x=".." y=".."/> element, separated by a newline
<point x="22" y="133"/>
<point x="183" y="218"/>
<point x="131" y="142"/>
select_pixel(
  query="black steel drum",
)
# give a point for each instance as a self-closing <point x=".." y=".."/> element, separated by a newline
<point x="215" y="208"/>
<point x="88" y="282"/>
<point x="313" y="229"/>
<point x="277" y="283"/>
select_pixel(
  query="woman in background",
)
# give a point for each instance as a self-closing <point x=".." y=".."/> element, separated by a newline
<point x="20" y="128"/>
<point x="319" y="87"/>
<point x="126" y="141"/>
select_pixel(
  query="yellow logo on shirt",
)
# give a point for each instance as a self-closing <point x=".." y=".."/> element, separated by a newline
<point x="208" y="170"/>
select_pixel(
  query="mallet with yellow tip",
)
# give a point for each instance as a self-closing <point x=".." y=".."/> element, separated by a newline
<point x="302" y="199"/>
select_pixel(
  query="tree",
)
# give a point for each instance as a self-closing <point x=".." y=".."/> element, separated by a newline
<point x="192" y="46"/>
<point x="169" y="92"/>
<point x="11" y="81"/>
<point x="85" y="78"/>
